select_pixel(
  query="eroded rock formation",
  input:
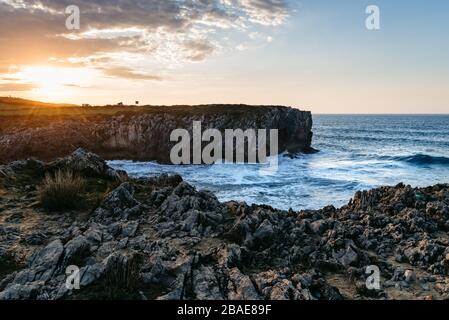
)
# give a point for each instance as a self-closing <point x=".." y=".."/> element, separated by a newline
<point x="160" y="238"/>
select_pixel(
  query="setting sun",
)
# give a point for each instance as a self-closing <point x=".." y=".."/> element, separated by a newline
<point x="56" y="81"/>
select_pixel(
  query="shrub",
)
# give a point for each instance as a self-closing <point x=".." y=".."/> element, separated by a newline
<point x="61" y="191"/>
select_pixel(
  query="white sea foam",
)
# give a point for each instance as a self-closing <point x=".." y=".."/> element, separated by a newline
<point x="332" y="176"/>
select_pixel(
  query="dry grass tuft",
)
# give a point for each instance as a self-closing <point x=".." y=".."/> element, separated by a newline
<point x="61" y="191"/>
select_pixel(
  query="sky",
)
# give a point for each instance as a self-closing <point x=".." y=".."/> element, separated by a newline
<point x="314" y="55"/>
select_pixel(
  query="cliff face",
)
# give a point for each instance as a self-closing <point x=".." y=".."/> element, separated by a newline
<point x="145" y="135"/>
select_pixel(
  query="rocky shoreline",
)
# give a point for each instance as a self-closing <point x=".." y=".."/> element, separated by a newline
<point x="159" y="238"/>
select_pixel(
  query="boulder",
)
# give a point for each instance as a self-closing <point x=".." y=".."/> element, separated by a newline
<point x="84" y="163"/>
<point x="205" y="284"/>
<point x="75" y="251"/>
<point x="347" y="257"/>
<point x="21" y="292"/>
<point x="46" y="261"/>
<point x="119" y="204"/>
<point x="264" y="232"/>
<point x="240" y="286"/>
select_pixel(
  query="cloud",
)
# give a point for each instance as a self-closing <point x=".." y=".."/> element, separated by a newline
<point x="128" y="73"/>
<point x="6" y="68"/>
<point x="13" y="86"/>
<point x="266" y="12"/>
<point x="73" y="85"/>
<point x="198" y="50"/>
<point x="34" y="32"/>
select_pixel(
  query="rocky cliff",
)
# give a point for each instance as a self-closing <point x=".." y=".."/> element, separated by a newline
<point x="160" y="238"/>
<point x="142" y="133"/>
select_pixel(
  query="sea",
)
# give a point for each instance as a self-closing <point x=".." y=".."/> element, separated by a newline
<point x="356" y="152"/>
